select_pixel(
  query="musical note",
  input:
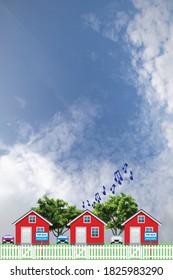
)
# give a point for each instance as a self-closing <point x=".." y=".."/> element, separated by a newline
<point x="104" y="190"/>
<point x="97" y="197"/>
<point x="131" y="175"/>
<point x="125" y="168"/>
<point x="83" y="204"/>
<point x="88" y="203"/>
<point x="112" y="188"/>
<point x="117" y="177"/>
<point x="93" y="204"/>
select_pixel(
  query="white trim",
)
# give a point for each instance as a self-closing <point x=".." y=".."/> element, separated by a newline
<point x="148" y="227"/>
<point x="84" y="219"/>
<point x="31" y="216"/>
<point x="141" y="216"/>
<point x="145" y="213"/>
<point x="98" y="232"/>
<point x="39" y="227"/>
<point x="86" y="211"/>
<point x="31" y="211"/>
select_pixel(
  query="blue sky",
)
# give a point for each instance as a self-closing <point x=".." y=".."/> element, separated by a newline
<point x="85" y="86"/>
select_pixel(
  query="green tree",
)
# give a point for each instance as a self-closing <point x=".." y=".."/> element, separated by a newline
<point x="58" y="212"/>
<point x="116" y="210"/>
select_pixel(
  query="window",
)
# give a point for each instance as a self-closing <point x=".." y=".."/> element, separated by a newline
<point x="32" y="219"/>
<point x="40" y="229"/>
<point x="149" y="229"/>
<point x="94" y="232"/>
<point x="141" y="219"/>
<point x="87" y="219"/>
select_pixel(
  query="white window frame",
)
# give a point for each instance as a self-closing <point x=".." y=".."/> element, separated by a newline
<point x="31" y="216"/>
<point x="140" y="217"/>
<point x="148" y="227"/>
<point x="88" y="216"/>
<point x="98" y="232"/>
<point x="41" y="228"/>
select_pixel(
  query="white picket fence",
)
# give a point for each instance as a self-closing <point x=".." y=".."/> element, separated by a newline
<point x="90" y="252"/>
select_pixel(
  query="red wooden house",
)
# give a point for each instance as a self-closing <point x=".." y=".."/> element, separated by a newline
<point x="141" y="228"/>
<point x="86" y="229"/>
<point x="32" y="228"/>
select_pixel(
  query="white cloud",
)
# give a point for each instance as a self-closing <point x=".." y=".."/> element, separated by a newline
<point x="21" y="101"/>
<point x="151" y="33"/>
<point x="150" y="40"/>
<point x="92" y="21"/>
<point x="23" y="130"/>
<point x="110" y="27"/>
<point x="168" y="129"/>
<point x="113" y="26"/>
<point x="63" y="131"/>
<point x="149" y="36"/>
<point x="43" y="164"/>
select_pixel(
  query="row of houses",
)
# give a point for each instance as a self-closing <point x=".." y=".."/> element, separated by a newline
<point x="87" y="228"/>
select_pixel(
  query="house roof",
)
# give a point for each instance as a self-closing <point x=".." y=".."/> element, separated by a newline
<point x="86" y="211"/>
<point x="141" y="210"/>
<point x="29" y="212"/>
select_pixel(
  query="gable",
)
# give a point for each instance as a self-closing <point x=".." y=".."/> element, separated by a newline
<point x="141" y="213"/>
<point x="82" y="219"/>
<point x="31" y="213"/>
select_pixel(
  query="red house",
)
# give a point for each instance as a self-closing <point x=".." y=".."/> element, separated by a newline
<point x="141" y="228"/>
<point x="87" y="229"/>
<point x="32" y="228"/>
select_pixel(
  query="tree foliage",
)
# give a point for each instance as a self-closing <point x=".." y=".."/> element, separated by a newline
<point x="58" y="212"/>
<point x="116" y="210"/>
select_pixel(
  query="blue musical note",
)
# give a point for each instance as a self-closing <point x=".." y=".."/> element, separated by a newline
<point x="112" y="188"/>
<point x="131" y="175"/>
<point x="93" y="204"/>
<point x="97" y="197"/>
<point x="117" y="177"/>
<point x="83" y="204"/>
<point x="104" y="190"/>
<point x="88" y="203"/>
<point x="125" y="168"/>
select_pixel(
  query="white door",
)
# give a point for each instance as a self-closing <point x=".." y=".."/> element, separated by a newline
<point x="26" y="235"/>
<point x="80" y="235"/>
<point x="135" y="235"/>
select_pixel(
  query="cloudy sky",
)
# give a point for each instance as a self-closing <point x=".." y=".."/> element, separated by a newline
<point x="85" y="86"/>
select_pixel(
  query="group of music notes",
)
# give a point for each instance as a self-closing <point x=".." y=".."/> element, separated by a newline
<point x="118" y="178"/>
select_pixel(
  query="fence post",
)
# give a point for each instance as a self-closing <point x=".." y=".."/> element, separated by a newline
<point x="87" y="252"/>
<point x="20" y="252"/>
<point x="141" y="249"/>
<point x="127" y="252"/>
<point x="33" y="253"/>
